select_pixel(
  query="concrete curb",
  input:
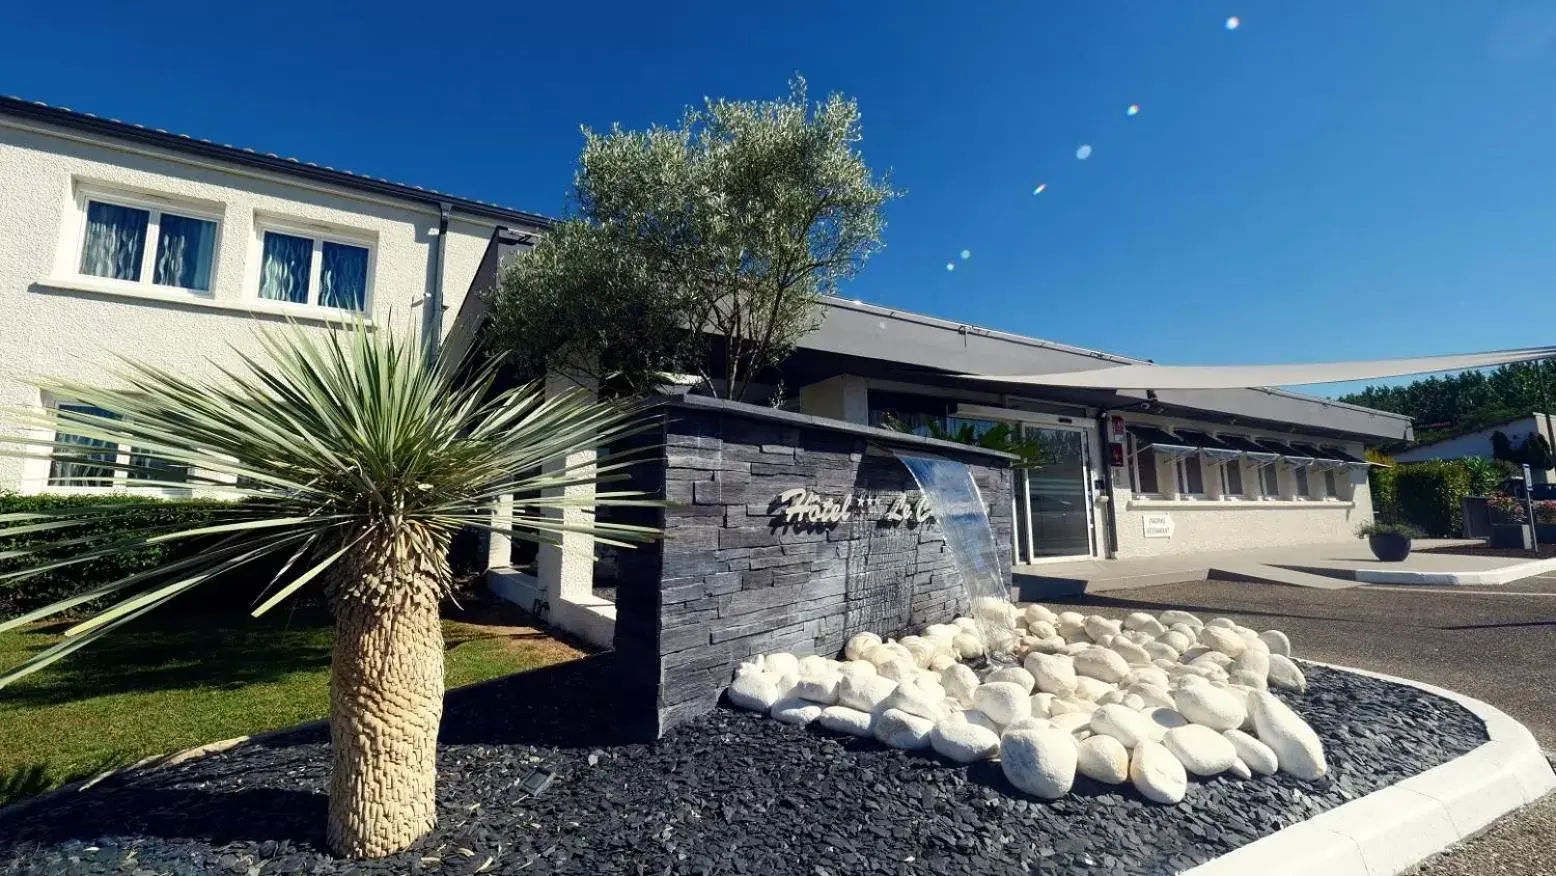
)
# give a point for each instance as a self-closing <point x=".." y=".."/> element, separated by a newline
<point x="1391" y="830"/>
<point x="1504" y="575"/>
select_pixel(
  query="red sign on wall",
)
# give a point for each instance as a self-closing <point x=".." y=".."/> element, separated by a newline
<point x="1116" y="455"/>
<point x="1116" y="431"/>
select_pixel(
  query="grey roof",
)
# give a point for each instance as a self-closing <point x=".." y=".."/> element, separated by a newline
<point x="857" y="329"/>
<point x="104" y="127"/>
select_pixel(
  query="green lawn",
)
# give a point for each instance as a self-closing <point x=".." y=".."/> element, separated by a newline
<point x="170" y="683"/>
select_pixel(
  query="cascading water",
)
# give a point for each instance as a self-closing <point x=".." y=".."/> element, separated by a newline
<point x="958" y="506"/>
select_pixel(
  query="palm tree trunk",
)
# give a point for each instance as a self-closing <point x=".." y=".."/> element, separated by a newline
<point x="386" y="699"/>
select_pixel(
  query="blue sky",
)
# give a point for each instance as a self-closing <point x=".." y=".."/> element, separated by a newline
<point x="1333" y="179"/>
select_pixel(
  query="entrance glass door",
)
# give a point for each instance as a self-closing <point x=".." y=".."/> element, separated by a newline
<point x="1053" y="496"/>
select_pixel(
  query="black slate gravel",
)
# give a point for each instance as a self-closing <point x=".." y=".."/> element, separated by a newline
<point x="730" y="793"/>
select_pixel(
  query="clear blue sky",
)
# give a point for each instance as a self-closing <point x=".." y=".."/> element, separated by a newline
<point x="1333" y="179"/>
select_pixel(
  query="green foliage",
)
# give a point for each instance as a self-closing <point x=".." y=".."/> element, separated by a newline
<point x="1031" y="450"/>
<point x="1430" y="496"/>
<point x="1380" y="481"/>
<point x="347" y="445"/>
<point x="1534" y="451"/>
<point x="1459" y="403"/>
<point x="164" y="684"/>
<point x="734" y="224"/>
<point x="1384" y="528"/>
<point x="134" y="513"/>
<point x="1486" y="475"/>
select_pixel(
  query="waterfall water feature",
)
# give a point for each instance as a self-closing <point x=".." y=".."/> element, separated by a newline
<point x="958" y="506"/>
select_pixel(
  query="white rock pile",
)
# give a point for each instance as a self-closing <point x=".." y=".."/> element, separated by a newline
<point x="1149" y="700"/>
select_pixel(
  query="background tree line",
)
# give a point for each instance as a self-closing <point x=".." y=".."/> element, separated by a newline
<point x="1457" y="403"/>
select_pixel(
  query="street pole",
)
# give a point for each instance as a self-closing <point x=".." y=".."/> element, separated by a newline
<point x="1534" y="534"/>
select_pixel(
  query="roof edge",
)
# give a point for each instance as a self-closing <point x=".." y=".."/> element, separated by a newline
<point x="104" y="127"/>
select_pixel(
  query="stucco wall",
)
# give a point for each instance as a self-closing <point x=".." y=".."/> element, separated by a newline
<point x="59" y="325"/>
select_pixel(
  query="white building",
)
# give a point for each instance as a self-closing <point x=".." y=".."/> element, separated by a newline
<point x="1479" y="443"/>
<point x="118" y="239"/>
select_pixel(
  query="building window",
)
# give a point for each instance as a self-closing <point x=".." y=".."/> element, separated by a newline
<point x="1231" y="478"/>
<point x="1269" y="481"/>
<point x="140" y="242"/>
<point x="1191" y="476"/>
<point x="89" y="463"/>
<point x="312" y="270"/>
<point x="1143" y="469"/>
<point x="1331" y="488"/>
<point x="1300" y="474"/>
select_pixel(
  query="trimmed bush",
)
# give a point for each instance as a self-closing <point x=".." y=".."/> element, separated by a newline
<point x="1431" y="494"/>
<point x="17" y="596"/>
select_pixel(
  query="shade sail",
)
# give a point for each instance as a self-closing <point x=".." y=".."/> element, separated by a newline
<point x="1248" y="376"/>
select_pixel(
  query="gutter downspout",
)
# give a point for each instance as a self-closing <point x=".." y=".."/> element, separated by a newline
<point x="432" y="315"/>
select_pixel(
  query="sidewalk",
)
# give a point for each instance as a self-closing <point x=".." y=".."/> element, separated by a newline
<point x="1324" y="567"/>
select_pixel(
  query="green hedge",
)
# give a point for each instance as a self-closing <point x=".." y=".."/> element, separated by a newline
<point x="1430" y="495"/>
<point x="17" y="596"/>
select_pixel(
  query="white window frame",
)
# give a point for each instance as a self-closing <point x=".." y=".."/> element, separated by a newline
<point x="1180" y="473"/>
<point x="122" y="483"/>
<point x="1134" y="450"/>
<point x="156" y="205"/>
<point x="319" y="234"/>
<point x="1227" y="494"/>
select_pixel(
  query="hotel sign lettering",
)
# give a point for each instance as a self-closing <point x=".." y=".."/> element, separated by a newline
<point x="805" y="506"/>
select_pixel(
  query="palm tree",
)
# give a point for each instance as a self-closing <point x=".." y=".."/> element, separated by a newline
<point x="352" y="461"/>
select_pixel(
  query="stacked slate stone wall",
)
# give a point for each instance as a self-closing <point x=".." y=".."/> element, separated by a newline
<point x="732" y="579"/>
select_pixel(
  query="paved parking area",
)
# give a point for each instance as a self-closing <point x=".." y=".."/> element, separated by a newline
<point x="1497" y="644"/>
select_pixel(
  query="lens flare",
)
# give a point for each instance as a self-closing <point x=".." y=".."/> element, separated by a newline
<point x="1232" y="23"/>
<point x="1083" y="153"/>
<point x="966" y="254"/>
<point x="950" y="266"/>
<point x="1134" y="109"/>
<point x="1041" y="187"/>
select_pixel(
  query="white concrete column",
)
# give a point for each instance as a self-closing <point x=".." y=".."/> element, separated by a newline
<point x="499" y="547"/>
<point x="844" y="397"/>
<point x="566" y="571"/>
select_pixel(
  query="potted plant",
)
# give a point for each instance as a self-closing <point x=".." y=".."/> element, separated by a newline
<point x="1510" y="522"/>
<point x="1390" y="542"/>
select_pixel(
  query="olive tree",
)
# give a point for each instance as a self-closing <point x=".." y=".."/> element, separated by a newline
<point x="704" y="248"/>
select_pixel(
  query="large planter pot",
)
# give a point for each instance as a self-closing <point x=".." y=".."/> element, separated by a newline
<point x="1388" y="547"/>
<point x="1510" y="536"/>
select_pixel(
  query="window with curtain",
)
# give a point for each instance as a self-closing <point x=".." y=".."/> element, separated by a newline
<point x="284" y="268"/>
<point x="88" y="462"/>
<point x="307" y="270"/>
<point x="82" y="463"/>
<point x="145" y="244"/>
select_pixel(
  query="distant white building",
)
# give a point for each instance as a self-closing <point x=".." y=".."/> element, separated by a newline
<point x="121" y="240"/>
<point x="1517" y="430"/>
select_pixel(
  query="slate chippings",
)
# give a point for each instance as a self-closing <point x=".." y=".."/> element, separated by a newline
<point x="729" y="793"/>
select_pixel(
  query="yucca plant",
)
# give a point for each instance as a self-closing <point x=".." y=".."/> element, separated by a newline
<point x="351" y="461"/>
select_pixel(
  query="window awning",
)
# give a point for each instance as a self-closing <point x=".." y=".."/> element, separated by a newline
<point x="1288" y="453"/>
<point x="1323" y="458"/>
<point x="1152" y="438"/>
<point x="1251" y="451"/>
<point x="1210" y="448"/>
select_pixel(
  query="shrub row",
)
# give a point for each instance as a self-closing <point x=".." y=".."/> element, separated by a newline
<point x="134" y="513"/>
<point x="1428" y="495"/>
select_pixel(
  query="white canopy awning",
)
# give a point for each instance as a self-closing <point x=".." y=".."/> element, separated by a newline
<point x="1247" y="376"/>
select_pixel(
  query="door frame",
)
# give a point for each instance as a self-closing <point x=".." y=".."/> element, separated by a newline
<point x="1086" y="427"/>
